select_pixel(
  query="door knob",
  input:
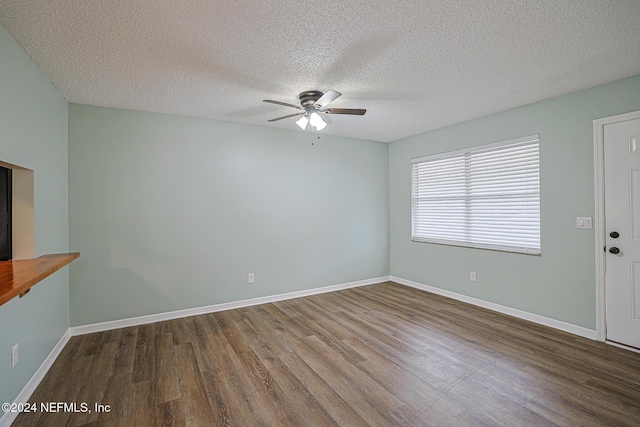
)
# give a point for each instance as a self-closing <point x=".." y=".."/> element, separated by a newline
<point x="614" y="234"/>
<point x="614" y="250"/>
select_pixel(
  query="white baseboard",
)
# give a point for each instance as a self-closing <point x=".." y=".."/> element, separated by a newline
<point x="525" y="315"/>
<point x="30" y="387"/>
<point x="152" y="318"/>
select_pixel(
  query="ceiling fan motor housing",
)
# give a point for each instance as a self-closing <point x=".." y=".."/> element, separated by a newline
<point x="308" y="98"/>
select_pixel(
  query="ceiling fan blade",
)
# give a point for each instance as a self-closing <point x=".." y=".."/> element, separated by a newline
<point x="327" y="98"/>
<point x="282" y="103"/>
<point x="352" y="111"/>
<point x="286" y="117"/>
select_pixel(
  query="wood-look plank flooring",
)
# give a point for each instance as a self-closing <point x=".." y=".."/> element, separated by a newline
<point x="379" y="355"/>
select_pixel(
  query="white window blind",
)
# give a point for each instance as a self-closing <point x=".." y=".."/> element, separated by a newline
<point x="482" y="197"/>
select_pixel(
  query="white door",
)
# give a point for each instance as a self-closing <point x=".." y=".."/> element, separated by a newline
<point x="622" y="227"/>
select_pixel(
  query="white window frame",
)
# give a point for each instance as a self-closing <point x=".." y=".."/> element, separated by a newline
<point x="466" y="229"/>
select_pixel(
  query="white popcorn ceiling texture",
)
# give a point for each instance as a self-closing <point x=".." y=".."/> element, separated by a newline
<point x="414" y="65"/>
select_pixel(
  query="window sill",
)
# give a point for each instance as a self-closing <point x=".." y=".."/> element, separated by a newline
<point x="17" y="277"/>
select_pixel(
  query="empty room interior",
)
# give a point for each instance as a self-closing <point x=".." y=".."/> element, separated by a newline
<point x="320" y="213"/>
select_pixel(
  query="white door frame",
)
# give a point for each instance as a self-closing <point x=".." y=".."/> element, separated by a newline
<point x="599" y="220"/>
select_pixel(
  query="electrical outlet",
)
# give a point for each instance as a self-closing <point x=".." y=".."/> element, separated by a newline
<point x="251" y="278"/>
<point x="472" y="276"/>
<point x="15" y="355"/>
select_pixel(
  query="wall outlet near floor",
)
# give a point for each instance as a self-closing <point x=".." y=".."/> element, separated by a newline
<point x="251" y="277"/>
<point x="15" y="355"/>
<point x="472" y="276"/>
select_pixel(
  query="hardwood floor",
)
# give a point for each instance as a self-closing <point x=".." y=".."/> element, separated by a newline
<point x="377" y="355"/>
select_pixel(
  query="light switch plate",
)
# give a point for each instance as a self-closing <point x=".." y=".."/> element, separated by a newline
<point x="583" y="222"/>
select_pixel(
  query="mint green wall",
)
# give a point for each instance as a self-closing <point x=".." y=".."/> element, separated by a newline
<point x="172" y="212"/>
<point x="33" y="134"/>
<point x="560" y="284"/>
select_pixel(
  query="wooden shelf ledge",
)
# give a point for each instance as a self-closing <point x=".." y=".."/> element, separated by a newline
<point x="17" y="277"/>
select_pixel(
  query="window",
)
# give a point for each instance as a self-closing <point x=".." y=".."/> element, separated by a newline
<point x="481" y="197"/>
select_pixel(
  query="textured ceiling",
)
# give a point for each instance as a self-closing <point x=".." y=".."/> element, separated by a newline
<point x="414" y="65"/>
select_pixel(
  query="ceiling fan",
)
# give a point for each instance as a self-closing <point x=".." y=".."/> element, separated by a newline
<point x="312" y="104"/>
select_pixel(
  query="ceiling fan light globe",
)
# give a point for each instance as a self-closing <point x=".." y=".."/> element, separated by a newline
<point x="321" y="125"/>
<point x="302" y="122"/>
<point x="315" y="120"/>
